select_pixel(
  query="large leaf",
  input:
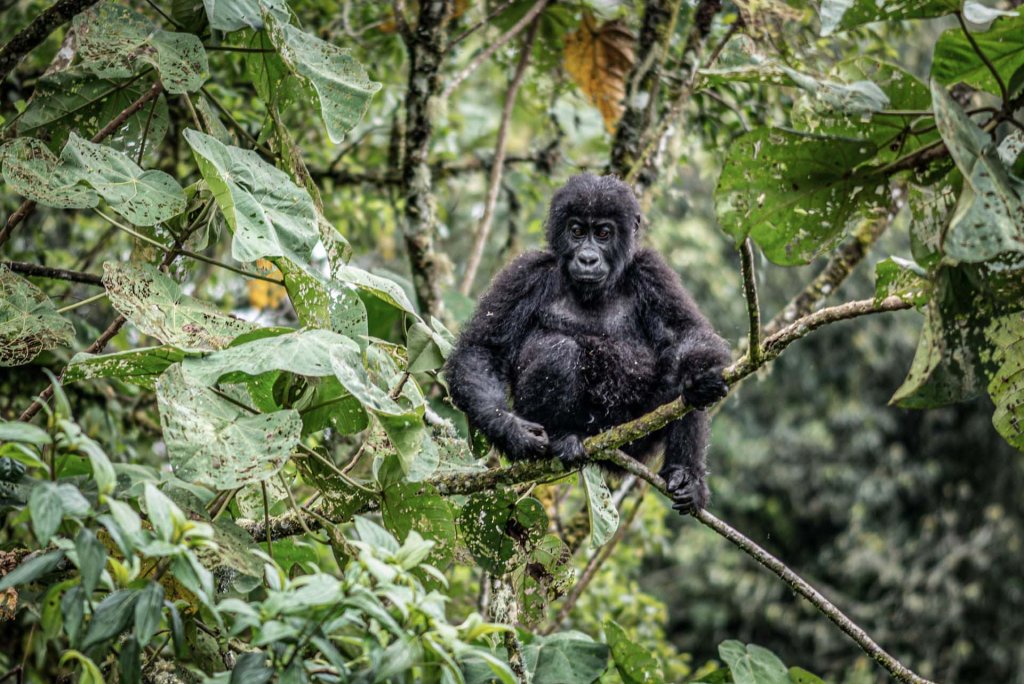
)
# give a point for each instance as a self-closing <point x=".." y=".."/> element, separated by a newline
<point x="214" y="442"/>
<point x="76" y="100"/>
<point x="157" y="306"/>
<point x="340" y="82"/>
<point x="989" y="217"/>
<point x="955" y="60"/>
<point x="634" y="663"/>
<point x="604" y="517"/>
<point x="546" y="575"/>
<point x="139" y="367"/>
<point x="566" y="658"/>
<point x="232" y="15"/>
<point x="32" y="170"/>
<point x="269" y="214"/>
<point x="793" y="193"/>
<point x="1006" y="382"/>
<point x="143" y="197"/>
<point x="418" y="506"/>
<point x="500" y="529"/>
<point x="324" y="303"/>
<point x="29" y="323"/>
<point x="840" y="15"/>
<point x="753" y="664"/>
<point x="599" y="58"/>
<point x="112" y="40"/>
<point x="304" y="352"/>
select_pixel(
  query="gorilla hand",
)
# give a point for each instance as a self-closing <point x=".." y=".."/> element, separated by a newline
<point x="570" y="451"/>
<point x="523" y="439"/>
<point x="703" y="387"/>
<point x="689" y="493"/>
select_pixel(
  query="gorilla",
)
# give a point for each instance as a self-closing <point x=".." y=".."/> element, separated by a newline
<point x="590" y="333"/>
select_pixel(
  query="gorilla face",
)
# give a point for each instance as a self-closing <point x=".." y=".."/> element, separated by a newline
<point x="591" y="226"/>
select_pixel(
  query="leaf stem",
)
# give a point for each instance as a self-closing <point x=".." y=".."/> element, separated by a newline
<point x="82" y="302"/>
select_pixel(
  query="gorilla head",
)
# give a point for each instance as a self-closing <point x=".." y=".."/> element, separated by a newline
<point x="592" y="226"/>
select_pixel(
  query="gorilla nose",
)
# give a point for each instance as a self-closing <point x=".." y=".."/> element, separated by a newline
<point x="587" y="260"/>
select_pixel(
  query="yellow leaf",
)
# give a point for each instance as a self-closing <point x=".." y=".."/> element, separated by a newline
<point x="599" y="58"/>
<point x="264" y="295"/>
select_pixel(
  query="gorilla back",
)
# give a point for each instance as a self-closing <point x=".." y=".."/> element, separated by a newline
<point x="586" y="335"/>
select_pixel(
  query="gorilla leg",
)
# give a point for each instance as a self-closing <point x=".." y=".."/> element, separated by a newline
<point x="685" y="469"/>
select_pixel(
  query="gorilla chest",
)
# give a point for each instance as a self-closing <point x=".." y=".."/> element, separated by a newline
<point x="593" y="362"/>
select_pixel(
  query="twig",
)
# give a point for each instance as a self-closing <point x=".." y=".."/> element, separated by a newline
<point x="750" y="294"/>
<point x="493" y="47"/>
<point x="28" y="206"/>
<point x="52" y="273"/>
<point x="594" y="564"/>
<point x="984" y="58"/>
<point x="82" y="302"/>
<point x="33" y="35"/>
<point x="478" y="25"/>
<point x="498" y="163"/>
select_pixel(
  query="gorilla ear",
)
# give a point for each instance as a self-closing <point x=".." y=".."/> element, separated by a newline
<point x="636" y="223"/>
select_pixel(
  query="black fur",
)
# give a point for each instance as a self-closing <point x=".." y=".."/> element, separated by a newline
<point x="587" y="335"/>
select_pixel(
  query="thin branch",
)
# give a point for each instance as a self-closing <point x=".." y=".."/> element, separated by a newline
<point x="750" y="294"/>
<point x="82" y="302"/>
<point x="52" y="273"/>
<point x="594" y="564"/>
<point x="984" y="58"/>
<point x="498" y="163"/>
<point x="493" y="47"/>
<point x="843" y="262"/>
<point x="480" y="24"/>
<point x="33" y="35"/>
<point x="28" y="206"/>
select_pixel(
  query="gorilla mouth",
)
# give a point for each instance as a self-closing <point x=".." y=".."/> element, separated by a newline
<point x="589" y="277"/>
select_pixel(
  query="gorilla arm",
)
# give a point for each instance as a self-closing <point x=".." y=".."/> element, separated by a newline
<point x="478" y="369"/>
<point x="692" y="353"/>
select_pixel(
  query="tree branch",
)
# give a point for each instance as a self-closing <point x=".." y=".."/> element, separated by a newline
<point x="494" y="46"/>
<point x="33" y="35"/>
<point x="52" y="273"/>
<point x="498" y="162"/>
<point x="750" y="294"/>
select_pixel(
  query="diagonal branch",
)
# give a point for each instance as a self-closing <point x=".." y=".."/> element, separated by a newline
<point x="33" y="35"/>
<point x="750" y="295"/>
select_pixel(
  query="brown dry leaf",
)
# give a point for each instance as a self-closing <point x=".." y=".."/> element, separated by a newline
<point x="264" y="295"/>
<point x="599" y="58"/>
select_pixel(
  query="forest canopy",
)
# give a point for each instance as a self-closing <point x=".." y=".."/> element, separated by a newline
<point x="238" y="240"/>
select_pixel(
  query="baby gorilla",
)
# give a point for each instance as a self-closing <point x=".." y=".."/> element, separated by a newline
<point x="591" y="333"/>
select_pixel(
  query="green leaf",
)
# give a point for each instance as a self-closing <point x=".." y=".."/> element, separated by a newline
<point x="794" y="194"/>
<point x="634" y="663"/>
<point x="163" y="514"/>
<point x="339" y="81"/>
<point x="500" y="529"/>
<point x="139" y="367"/>
<point x="1006" y="381"/>
<point x="148" y="611"/>
<point x="566" y="658"/>
<point x="232" y="15"/>
<point x="426" y="349"/>
<point x="31" y="570"/>
<point x="604" y="517"/>
<point x="32" y="170"/>
<point x="233" y="550"/>
<point x="75" y="100"/>
<point x="303" y="352"/>
<point x="251" y="668"/>
<point x="901" y="278"/>
<point x="269" y="215"/>
<point x="212" y="442"/>
<point x="382" y="288"/>
<point x="546" y="576"/>
<point x="989" y="217"/>
<point x="112" y="40"/>
<point x="323" y="303"/>
<point x="955" y="60"/>
<point x="799" y="675"/>
<point x="112" y="616"/>
<point x="1011" y="152"/>
<point x="92" y="558"/>
<point x="840" y="15"/>
<point x="418" y="506"/>
<point x="91" y="674"/>
<point x="16" y="431"/>
<point x="157" y="306"/>
<point x="47" y="509"/>
<point x="143" y="197"/>
<point x="29" y="323"/>
<point x="752" y="664"/>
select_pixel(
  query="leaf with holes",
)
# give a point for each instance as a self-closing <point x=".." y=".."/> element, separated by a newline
<point x="955" y="60"/>
<point x="29" y="323"/>
<point x="156" y="305"/>
<point x="323" y="303"/>
<point x="1006" y="381"/>
<point x="143" y="197"/>
<point x="232" y="15"/>
<point x="599" y="58"/>
<point x="840" y="15"/>
<point x="303" y="352"/>
<point x="139" y="367"/>
<point x="500" y="529"/>
<point x="897" y="277"/>
<point x="545" y="577"/>
<point x="418" y="506"/>
<point x="215" y="443"/>
<point x="33" y="171"/>
<point x="795" y="194"/>
<point x="269" y="215"/>
<point x="113" y="39"/>
<point x="340" y="82"/>
<point x="604" y="517"/>
<point x="989" y="217"/>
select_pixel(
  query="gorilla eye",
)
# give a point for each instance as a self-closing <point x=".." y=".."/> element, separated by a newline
<point x="577" y="231"/>
<point x="602" y="233"/>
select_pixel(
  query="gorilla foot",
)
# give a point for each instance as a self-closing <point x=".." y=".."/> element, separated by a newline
<point x="524" y="439"/>
<point x="689" y="494"/>
<point x="570" y="451"/>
